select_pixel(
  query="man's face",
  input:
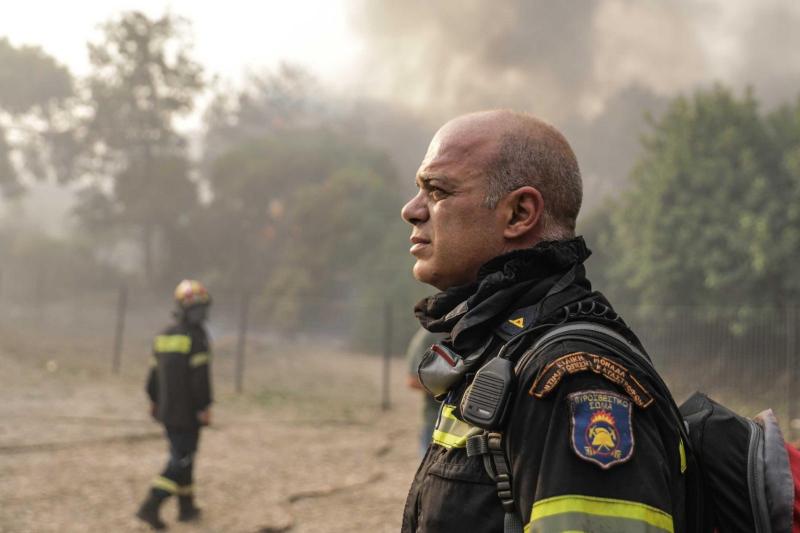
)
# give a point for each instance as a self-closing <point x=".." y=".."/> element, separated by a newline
<point x="454" y="233"/>
<point x="197" y="314"/>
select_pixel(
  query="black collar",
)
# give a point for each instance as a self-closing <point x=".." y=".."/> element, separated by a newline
<point x="505" y="283"/>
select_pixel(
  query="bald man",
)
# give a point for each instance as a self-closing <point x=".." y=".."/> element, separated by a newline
<point x="589" y="440"/>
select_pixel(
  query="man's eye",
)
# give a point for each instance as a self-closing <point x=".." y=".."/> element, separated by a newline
<point x="436" y="194"/>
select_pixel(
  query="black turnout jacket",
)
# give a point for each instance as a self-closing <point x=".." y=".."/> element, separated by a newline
<point x="591" y="442"/>
<point x="179" y="381"/>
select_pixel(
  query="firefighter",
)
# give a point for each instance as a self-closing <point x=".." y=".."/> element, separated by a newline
<point x="420" y="342"/>
<point x="589" y="442"/>
<point x="179" y="387"/>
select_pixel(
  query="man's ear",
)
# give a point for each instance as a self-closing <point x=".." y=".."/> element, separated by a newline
<point x="524" y="207"/>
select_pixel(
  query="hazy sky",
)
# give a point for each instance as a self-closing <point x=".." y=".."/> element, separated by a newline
<point x="593" y="67"/>
<point x="229" y="36"/>
<point x="422" y="53"/>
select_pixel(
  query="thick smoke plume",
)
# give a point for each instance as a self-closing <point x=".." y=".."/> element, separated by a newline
<point x="594" y="68"/>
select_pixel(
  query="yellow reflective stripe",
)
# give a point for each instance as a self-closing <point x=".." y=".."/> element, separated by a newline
<point x="447" y="411"/>
<point x="185" y="490"/>
<point x="166" y="484"/>
<point x="682" y="452"/>
<point x="449" y="441"/>
<point x="198" y="359"/>
<point x="173" y="344"/>
<point x="451" y="432"/>
<point x="601" y="507"/>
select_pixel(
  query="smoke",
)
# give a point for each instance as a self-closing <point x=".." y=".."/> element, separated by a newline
<point x="593" y="68"/>
<point x="552" y="58"/>
<point x="770" y="51"/>
<point x="454" y="55"/>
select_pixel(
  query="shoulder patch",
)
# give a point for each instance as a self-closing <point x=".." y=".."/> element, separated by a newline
<point x="601" y="427"/>
<point x="519" y="322"/>
<point x="550" y="376"/>
<point x="516" y="322"/>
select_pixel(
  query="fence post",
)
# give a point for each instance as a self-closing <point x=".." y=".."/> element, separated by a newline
<point x="39" y="292"/>
<point x="387" y="356"/>
<point x="791" y="367"/>
<point x="122" y="307"/>
<point x="241" y="344"/>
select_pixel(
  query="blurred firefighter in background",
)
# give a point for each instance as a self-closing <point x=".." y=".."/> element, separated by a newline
<point x="179" y="387"/>
<point x="419" y="344"/>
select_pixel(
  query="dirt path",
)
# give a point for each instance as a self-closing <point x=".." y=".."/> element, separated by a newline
<point x="306" y="449"/>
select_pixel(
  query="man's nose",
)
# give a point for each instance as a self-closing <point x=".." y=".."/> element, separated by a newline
<point x="416" y="210"/>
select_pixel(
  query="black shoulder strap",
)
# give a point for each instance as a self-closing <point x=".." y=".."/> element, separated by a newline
<point x="592" y="333"/>
<point x="607" y="338"/>
<point x="490" y="445"/>
<point x="496" y="457"/>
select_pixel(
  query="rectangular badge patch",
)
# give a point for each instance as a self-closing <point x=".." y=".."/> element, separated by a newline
<point x="602" y="429"/>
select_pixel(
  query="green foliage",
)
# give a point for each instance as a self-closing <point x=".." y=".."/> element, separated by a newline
<point x="30" y="78"/>
<point x="596" y="230"/>
<point x="385" y="278"/>
<point x="312" y="218"/>
<point x="8" y="174"/>
<point x="285" y="98"/>
<point x="61" y="265"/>
<point x="311" y="211"/>
<point x="784" y="215"/>
<point x="349" y="256"/>
<point x="34" y="90"/>
<point x="711" y="219"/>
<point x="257" y="184"/>
<point x="142" y="79"/>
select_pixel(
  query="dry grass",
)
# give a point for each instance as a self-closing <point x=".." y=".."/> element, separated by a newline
<point x="306" y="448"/>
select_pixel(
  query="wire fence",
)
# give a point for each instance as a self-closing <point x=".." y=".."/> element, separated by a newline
<point x="749" y="366"/>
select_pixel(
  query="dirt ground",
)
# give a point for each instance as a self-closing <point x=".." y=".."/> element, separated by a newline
<point x="305" y="448"/>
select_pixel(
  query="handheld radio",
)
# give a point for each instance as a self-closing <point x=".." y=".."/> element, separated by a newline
<point x="486" y="399"/>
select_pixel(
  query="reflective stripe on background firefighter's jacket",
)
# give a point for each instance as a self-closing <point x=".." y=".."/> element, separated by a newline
<point x="179" y="380"/>
<point x="593" y="447"/>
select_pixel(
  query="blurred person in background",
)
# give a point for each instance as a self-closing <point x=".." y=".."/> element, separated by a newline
<point x="493" y="228"/>
<point x="419" y="344"/>
<point x="179" y="387"/>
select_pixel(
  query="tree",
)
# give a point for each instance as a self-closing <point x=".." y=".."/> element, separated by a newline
<point x="311" y="208"/>
<point x="784" y="214"/>
<point x="609" y="144"/>
<point x="311" y="218"/>
<point x="142" y="79"/>
<point x="271" y="101"/>
<point x="262" y="187"/>
<point x="33" y="90"/>
<point x="709" y="199"/>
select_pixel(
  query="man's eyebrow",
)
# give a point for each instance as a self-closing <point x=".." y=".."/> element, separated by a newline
<point x="426" y="178"/>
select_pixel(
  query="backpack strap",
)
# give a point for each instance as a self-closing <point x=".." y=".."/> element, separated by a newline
<point x="607" y="338"/>
<point x="490" y="444"/>
<point x="590" y="332"/>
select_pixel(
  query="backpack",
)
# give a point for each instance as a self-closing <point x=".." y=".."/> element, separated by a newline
<point x="739" y="477"/>
<point x="745" y="465"/>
